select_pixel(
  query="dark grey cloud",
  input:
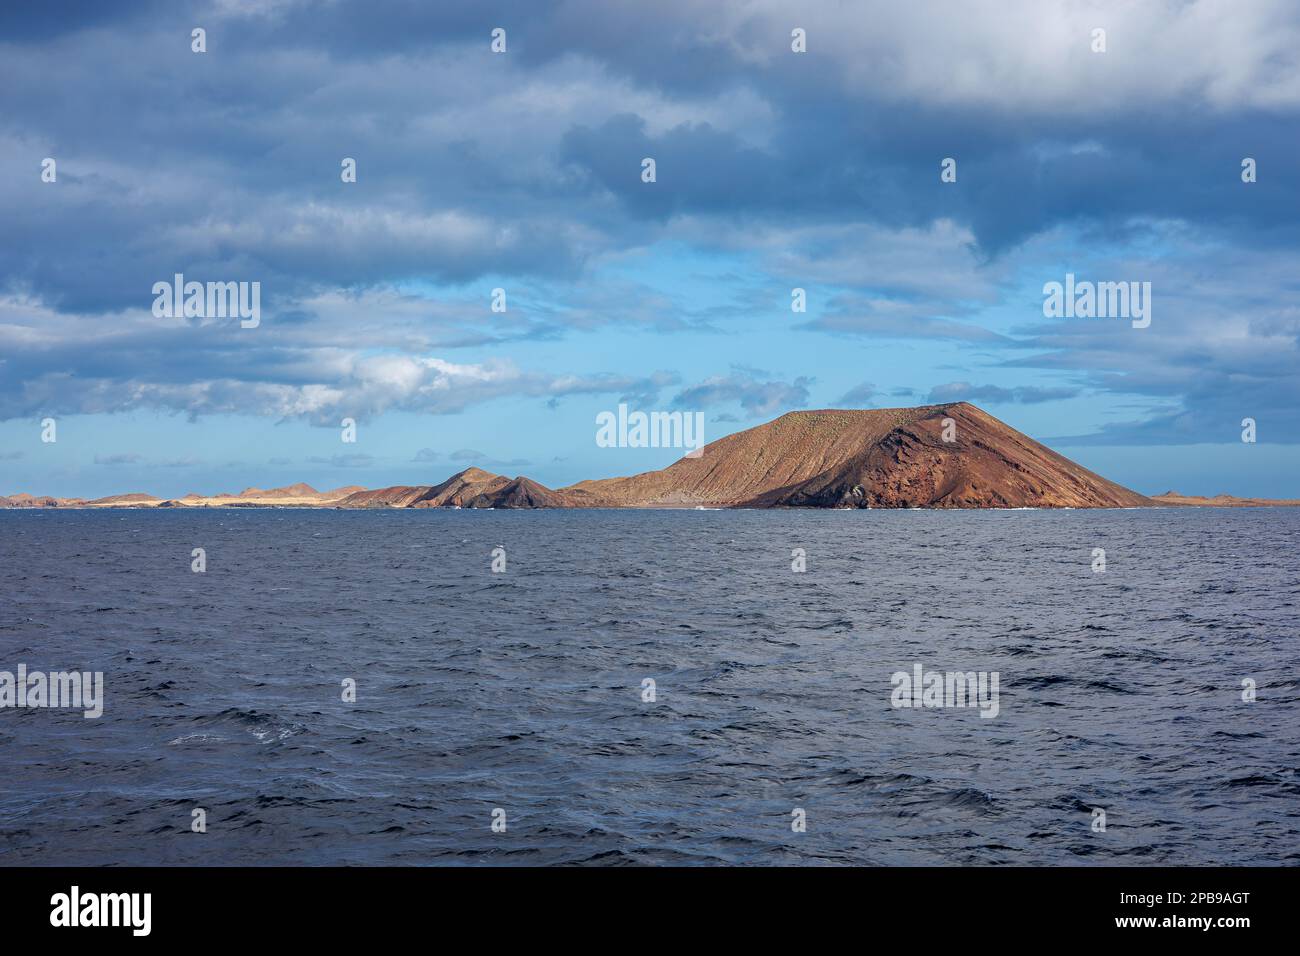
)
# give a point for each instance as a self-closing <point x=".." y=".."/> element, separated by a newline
<point x="226" y="163"/>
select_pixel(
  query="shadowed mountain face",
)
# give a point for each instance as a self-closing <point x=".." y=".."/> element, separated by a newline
<point x="471" y="488"/>
<point x="935" y="456"/>
<point x="460" y="489"/>
<point x="398" y="496"/>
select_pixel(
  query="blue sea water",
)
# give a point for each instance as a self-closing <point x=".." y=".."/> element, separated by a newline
<point x="522" y="690"/>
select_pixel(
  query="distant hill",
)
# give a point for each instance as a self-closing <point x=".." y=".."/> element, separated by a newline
<point x="23" y="500"/>
<point x="134" y="498"/>
<point x="1222" y="501"/>
<point x="300" y="490"/>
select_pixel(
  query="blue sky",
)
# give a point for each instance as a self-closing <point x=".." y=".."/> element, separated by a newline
<point x="521" y="171"/>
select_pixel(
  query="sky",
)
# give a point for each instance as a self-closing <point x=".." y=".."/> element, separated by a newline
<point x="522" y="171"/>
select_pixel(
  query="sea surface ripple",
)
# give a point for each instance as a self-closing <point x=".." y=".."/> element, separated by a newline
<point x="522" y="690"/>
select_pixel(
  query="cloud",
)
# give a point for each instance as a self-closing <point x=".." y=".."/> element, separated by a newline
<point x="70" y="363"/>
<point x="349" y="460"/>
<point x="1223" y="345"/>
<point x="746" y="388"/>
<point x="481" y="458"/>
<point x="472" y="164"/>
<point x="119" y="458"/>
<point x="867" y="279"/>
<point x="524" y="170"/>
<point x="859" y="395"/>
<point x="894" y="320"/>
<point x="1024" y="395"/>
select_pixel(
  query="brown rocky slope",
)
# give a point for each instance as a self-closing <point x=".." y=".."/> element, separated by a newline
<point x="878" y="458"/>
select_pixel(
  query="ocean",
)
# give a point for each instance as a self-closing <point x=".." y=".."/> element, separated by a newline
<point x="505" y="717"/>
